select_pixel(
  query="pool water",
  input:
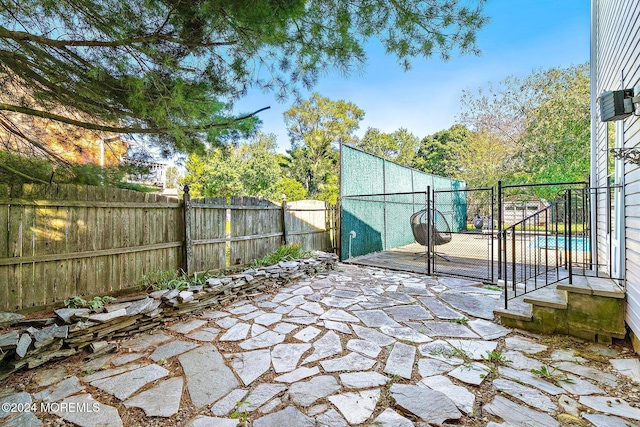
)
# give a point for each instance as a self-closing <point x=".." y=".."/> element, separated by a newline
<point x="582" y="244"/>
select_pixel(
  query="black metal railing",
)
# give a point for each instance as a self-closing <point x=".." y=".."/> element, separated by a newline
<point x="547" y="246"/>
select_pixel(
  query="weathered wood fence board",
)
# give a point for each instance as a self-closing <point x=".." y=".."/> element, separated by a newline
<point x="311" y="224"/>
<point x="57" y="241"/>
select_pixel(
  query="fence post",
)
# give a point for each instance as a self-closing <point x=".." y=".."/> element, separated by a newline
<point x="569" y="236"/>
<point x="188" y="246"/>
<point x="284" y="219"/>
<point x="500" y="236"/>
<point x="429" y="254"/>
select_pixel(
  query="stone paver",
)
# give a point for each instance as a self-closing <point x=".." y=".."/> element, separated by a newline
<point x="266" y="339"/>
<point x="262" y="394"/>
<point x="363" y="379"/>
<point x="251" y="364"/>
<point x="376" y="318"/>
<point x="228" y="403"/>
<point x="471" y="373"/>
<point x="331" y="418"/>
<point x="288" y="417"/>
<point x="523" y="344"/>
<point x="162" y="400"/>
<point x="528" y="395"/>
<point x="208" y="377"/>
<point x="519" y="415"/>
<point x="608" y="405"/>
<point x="204" y="421"/>
<point x="588" y="372"/>
<point x="412" y="398"/>
<point x="186" y="327"/>
<point x="460" y="396"/>
<point x="390" y="418"/>
<point x="428" y="367"/>
<point x="321" y="351"/>
<point x="365" y="347"/>
<point x="173" y="348"/>
<point x="204" y="334"/>
<point x="373" y="335"/>
<point x="488" y="330"/>
<point x="99" y="415"/>
<point x="124" y="385"/>
<point x="307" y="334"/>
<point x="297" y="375"/>
<point x="307" y="392"/>
<point x="236" y="332"/>
<point x="60" y="390"/>
<point x="350" y="362"/>
<point x="400" y="360"/>
<point x="327" y="346"/>
<point x="285" y="357"/>
<point x="356" y="407"/>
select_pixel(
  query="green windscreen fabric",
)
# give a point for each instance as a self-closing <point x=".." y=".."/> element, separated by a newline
<point x="378" y="198"/>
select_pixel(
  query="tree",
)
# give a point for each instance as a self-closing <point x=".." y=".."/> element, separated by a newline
<point x="441" y="153"/>
<point x="314" y="127"/>
<point x="400" y="146"/>
<point x="538" y="127"/>
<point x="252" y="169"/>
<point x="291" y="188"/>
<point x="172" y="177"/>
<point x="171" y="69"/>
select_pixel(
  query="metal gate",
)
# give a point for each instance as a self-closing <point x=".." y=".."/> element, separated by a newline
<point x="465" y="227"/>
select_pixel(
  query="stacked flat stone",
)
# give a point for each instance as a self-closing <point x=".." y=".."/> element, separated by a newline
<point x="73" y="330"/>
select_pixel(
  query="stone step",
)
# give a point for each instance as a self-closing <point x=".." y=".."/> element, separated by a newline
<point x="518" y="310"/>
<point x="598" y="286"/>
<point x="547" y="297"/>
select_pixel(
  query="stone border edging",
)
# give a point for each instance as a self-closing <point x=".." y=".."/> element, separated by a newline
<point x="72" y="330"/>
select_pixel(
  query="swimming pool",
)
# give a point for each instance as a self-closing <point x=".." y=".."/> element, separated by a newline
<point x="581" y="244"/>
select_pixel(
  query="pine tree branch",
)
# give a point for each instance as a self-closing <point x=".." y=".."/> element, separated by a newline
<point x="117" y="129"/>
<point x="21" y="36"/>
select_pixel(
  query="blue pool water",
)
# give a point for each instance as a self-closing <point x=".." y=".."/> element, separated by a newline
<point x="582" y="244"/>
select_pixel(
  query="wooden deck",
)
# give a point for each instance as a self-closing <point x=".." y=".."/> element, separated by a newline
<point x="467" y="255"/>
<point x="470" y="255"/>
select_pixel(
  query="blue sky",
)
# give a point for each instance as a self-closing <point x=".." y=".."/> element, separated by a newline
<point x="522" y="35"/>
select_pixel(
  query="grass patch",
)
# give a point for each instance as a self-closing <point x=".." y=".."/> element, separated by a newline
<point x="283" y="253"/>
<point x="552" y="374"/>
<point x="169" y="280"/>
<point x="94" y="303"/>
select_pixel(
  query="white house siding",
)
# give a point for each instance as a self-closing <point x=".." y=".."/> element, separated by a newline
<point x="616" y="33"/>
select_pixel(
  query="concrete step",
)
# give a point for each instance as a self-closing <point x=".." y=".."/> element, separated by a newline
<point x="597" y="286"/>
<point x="548" y="297"/>
<point x="518" y="310"/>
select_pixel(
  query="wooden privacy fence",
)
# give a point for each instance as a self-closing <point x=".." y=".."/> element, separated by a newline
<point x="57" y="241"/>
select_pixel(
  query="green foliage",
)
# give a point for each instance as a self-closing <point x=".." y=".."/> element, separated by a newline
<point x="440" y="153"/>
<point x="173" y="177"/>
<point x="241" y="413"/>
<point x="460" y="321"/>
<point x="529" y="130"/>
<point x="552" y="374"/>
<point x="400" y="146"/>
<point x="496" y="358"/>
<point x="167" y="280"/>
<point x="94" y="303"/>
<point x="316" y="126"/>
<point x="252" y="169"/>
<point x="291" y="188"/>
<point x="283" y="253"/>
<point x="164" y="68"/>
<point x="75" y="302"/>
<point x="19" y="169"/>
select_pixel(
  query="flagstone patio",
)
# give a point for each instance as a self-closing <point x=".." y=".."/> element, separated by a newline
<point x="354" y="346"/>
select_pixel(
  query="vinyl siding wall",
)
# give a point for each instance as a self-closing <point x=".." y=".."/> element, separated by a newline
<point x="617" y="51"/>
